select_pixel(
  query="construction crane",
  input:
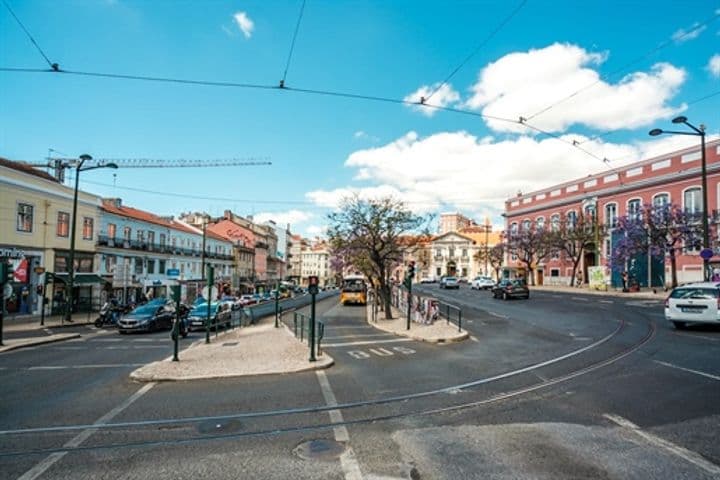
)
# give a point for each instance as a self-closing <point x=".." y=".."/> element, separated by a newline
<point x="59" y="165"/>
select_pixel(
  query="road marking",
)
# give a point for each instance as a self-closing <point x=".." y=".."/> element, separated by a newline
<point x="606" y="301"/>
<point x="677" y="450"/>
<point x="108" y="340"/>
<point x="106" y="365"/>
<point x="696" y="372"/>
<point x="366" y="342"/>
<point x="474" y="338"/>
<point x="75" y="442"/>
<point x="348" y="461"/>
<point x="497" y="315"/>
<point x="359" y="336"/>
<point x="580" y="298"/>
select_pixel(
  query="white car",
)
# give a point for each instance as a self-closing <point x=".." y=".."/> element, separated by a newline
<point x="482" y="283"/>
<point x="427" y="280"/>
<point x="693" y="303"/>
<point x="449" y="282"/>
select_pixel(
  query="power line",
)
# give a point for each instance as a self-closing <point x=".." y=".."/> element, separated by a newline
<point x="477" y="49"/>
<point x="53" y="66"/>
<point x="631" y="63"/>
<point x="292" y="44"/>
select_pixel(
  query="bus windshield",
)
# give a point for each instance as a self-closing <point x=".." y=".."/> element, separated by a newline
<point x="353" y="285"/>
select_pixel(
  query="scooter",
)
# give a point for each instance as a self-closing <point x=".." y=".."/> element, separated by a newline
<point x="108" y="316"/>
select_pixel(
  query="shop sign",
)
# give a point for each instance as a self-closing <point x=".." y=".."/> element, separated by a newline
<point x="11" y="253"/>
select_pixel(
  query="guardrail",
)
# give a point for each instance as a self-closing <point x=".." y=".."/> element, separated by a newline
<point x="301" y="325"/>
<point x="426" y="309"/>
<point x="451" y="312"/>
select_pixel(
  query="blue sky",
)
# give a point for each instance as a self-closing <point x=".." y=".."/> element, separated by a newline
<point x="637" y="67"/>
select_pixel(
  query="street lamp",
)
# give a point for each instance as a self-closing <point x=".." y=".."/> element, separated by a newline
<point x="701" y="133"/>
<point x="71" y="260"/>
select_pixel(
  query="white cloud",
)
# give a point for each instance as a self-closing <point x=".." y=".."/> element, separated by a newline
<point x="444" y="96"/>
<point x="683" y="35"/>
<point x="293" y="217"/>
<point x="244" y="23"/>
<point x="714" y="65"/>
<point x="458" y="171"/>
<point x="315" y="231"/>
<point x="362" y="135"/>
<point x="524" y="83"/>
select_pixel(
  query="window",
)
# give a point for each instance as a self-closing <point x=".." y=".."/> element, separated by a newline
<point x="555" y="222"/>
<point x="464" y="253"/>
<point x="611" y="215"/>
<point x="151" y="238"/>
<point x="438" y="272"/>
<point x="88" y="228"/>
<point x="513" y="228"/>
<point x="554" y="272"/>
<point x="63" y="224"/>
<point x="110" y="263"/>
<point x="540" y="223"/>
<point x="571" y="219"/>
<point x="127" y="231"/>
<point x="151" y="266"/>
<point x="692" y="201"/>
<point x="451" y="252"/>
<point x="24" y="217"/>
<point x="634" y="209"/>
<point x="590" y="213"/>
<point x="138" y="266"/>
<point x="141" y="236"/>
<point x="661" y="199"/>
<point x="526" y="225"/>
<point x="438" y="252"/>
<point x="162" y="239"/>
<point x="112" y="230"/>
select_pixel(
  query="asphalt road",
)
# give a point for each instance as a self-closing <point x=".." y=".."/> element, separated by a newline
<point x="558" y="386"/>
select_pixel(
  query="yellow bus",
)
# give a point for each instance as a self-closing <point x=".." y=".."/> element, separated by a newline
<point x="354" y="290"/>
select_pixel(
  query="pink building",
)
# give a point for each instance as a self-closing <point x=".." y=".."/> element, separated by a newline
<point x="671" y="178"/>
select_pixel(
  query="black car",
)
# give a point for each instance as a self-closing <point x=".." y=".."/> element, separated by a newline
<point x="507" y="289"/>
<point x="149" y="317"/>
<point x="220" y="314"/>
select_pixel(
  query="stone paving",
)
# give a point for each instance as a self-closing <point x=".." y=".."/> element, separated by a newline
<point x="256" y="350"/>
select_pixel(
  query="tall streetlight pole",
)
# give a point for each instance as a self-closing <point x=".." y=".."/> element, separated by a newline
<point x="701" y="133"/>
<point x="71" y="258"/>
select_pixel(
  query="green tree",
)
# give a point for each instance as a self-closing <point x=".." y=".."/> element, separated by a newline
<point x="576" y="236"/>
<point x="372" y="235"/>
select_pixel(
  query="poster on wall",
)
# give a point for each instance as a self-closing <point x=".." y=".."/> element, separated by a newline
<point x="20" y="268"/>
<point x="599" y="277"/>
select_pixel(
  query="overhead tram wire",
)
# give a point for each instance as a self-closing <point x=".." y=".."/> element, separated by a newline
<point x="292" y="45"/>
<point x="53" y="66"/>
<point x="624" y="67"/>
<point x="477" y="49"/>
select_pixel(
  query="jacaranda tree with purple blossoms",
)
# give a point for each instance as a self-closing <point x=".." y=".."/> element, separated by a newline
<point x="531" y="245"/>
<point x="660" y="230"/>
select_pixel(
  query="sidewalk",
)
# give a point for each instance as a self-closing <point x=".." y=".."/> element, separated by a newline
<point x="439" y="332"/>
<point x="646" y="293"/>
<point x="256" y="350"/>
<point x="32" y="322"/>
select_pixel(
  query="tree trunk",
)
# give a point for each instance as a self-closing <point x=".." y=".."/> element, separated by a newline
<point x="576" y="262"/>
<point x="673" y="267"/>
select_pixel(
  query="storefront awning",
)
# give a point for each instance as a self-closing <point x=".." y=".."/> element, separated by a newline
<point x="80" y="279"/>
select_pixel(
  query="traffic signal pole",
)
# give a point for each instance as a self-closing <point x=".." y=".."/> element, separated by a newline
<point x="410" y="275"/>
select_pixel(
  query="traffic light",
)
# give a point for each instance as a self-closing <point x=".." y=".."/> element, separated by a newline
<point x="411" y="269"/>
<point x="6" y="273"/>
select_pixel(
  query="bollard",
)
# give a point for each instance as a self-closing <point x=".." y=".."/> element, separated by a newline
<point x="459" y="320"/>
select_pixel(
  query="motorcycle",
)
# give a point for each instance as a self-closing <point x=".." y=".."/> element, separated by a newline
<point x="181" y="317"/>
<point x="108" y="315"/>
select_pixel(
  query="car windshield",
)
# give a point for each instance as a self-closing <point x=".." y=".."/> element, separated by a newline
<point x="450" y="279"/>
<point x="147" y="309"/>
<point x="201" y="310"/>
<point x="696" y="292"/>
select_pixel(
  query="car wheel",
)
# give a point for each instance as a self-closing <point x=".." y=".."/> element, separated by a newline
<point x="679" y="325"/>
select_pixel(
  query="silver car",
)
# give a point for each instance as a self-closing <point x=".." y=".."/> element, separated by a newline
<point x="693" y="303"/>
<point x="449" y="282"/>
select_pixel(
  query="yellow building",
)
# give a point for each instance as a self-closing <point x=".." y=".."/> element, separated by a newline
<point x="35" y="235"/>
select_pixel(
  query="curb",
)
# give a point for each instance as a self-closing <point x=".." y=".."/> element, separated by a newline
<point x="31" y="342"/>
<point x="453" y="339"/>
<point x="31" y="327"/>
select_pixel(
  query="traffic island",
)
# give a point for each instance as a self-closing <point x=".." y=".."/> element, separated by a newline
<point x="438" y="332"/>
<point x="14" y="344"/>
<point x="258" y="350"/>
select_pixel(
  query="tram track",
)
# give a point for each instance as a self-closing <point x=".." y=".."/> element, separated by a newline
<point x="400" y="400"/>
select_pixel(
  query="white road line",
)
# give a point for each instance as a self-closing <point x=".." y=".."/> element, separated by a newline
<point x="335" y="327"/>
<point x="105" y="365"/>
<point x="606" y="301"/>
<point x="677" y="450"/>
<point x="580" y="298"/>
<point x="367" y="342"/>
<point x="497" y="315"/>
<point x="474" y="338"/>
<point x="696" y="372"/>
<point x="348" y="461"/>
<point x="362" y="335"/>
<point x="75" y="442"/>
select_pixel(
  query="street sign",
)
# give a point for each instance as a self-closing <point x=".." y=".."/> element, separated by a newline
<point x="173" y="272"/>
<point x="706" y="253"/>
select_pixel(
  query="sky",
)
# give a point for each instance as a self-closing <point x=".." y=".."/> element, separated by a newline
<point x="532" y="93"/>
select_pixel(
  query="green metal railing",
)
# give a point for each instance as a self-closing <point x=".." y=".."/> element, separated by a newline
<point x="301" y="329"/>
<point x="452" y="314"/>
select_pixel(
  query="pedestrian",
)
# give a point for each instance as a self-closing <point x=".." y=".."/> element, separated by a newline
<point x="625" y="281"/>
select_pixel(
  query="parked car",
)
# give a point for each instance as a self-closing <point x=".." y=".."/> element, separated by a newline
<point x="427" y="280"/>
<point x="219" y="315"/>
<point x="247" y="300"/>
<point x="449" y="282"/>
<point x="152" y="316"/>
<point x="693" y="303"/>
<point x="482" y="283"/>
<point x="511" y="288"/>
